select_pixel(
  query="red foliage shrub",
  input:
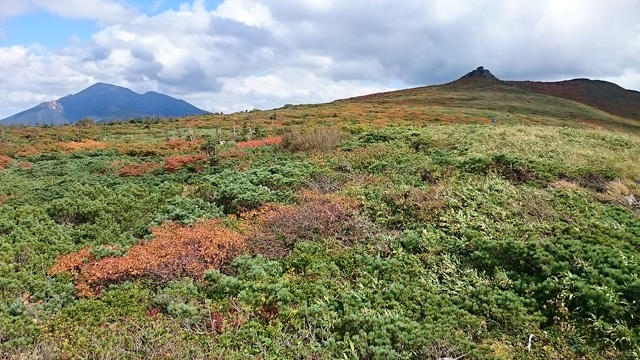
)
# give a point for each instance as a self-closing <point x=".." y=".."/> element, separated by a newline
<point x="175" y="252"/>
<point x="271" y="140"/>
<point x="5" y="161"/>
<point x="25" y="165"/>
<point x="216" y="322"/>
<point x="175" y="163"/>
<point x="153" y="312"/>
<point x="137" y="169"/>
<point x="269" y="312"/>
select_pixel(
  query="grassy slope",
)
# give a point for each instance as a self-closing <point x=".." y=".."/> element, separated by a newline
<point x="599" y="94"/>
<point x="471" y="235"/>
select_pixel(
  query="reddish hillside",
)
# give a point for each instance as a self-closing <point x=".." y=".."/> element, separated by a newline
<point x="603" y="95"/>
<point x="479" y="96"/>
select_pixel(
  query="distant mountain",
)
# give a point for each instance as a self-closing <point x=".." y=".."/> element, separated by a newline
<point x="103" y="102"/>
<point x="600" y="94"/>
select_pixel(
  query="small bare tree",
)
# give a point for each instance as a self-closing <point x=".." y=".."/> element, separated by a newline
<point x="3" y="136"/>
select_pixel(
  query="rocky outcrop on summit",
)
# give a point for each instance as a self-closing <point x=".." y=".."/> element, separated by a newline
<point x="481" y="74"/>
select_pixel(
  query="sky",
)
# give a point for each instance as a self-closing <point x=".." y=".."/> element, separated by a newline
<point x="233" y="55"/>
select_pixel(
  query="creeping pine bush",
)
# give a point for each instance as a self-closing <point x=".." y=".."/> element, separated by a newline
<point x="237" y="191"/>
<point x="175" y="251"/>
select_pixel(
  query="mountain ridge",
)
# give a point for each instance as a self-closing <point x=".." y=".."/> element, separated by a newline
<point x="102" y="102"/>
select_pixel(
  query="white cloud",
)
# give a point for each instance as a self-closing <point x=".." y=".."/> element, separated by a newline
<point x="265" y="53"/>
<point x="249" y="12"/>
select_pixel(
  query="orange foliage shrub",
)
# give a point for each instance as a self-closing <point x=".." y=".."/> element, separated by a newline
<point x="72" y="263"/>
<point x="5" y="161"/>
<point x="176" y="251"/>
<point x="271" y="140"/>
<point x="174" y="163"/>
<point x="183" y="145"/>
<point x="85" y="144"/>
<point x="26" y="165"/>
<point x="137" y="169"/>
<point x="37" y="149"/>
<point x="46" y="147"/>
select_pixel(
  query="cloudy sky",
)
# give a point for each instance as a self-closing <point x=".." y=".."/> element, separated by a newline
<point x="230" y="55"/>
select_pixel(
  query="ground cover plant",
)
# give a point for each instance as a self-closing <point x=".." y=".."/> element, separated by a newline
<point x="357" y="229"/>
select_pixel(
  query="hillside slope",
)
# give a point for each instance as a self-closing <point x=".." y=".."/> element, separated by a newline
<point x="479" y="97"/>
<point x="602" y="95"/>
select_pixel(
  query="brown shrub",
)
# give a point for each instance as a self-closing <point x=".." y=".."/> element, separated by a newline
<point x="276" y="228"/>
<point x="175" y="251"/>
<point x="323" y="139"/>
<point x="595" y="182"/>
<point x="5" y="162"/>
<point x="137" y="169"/>
<point x="233" y="153"/>
<point x="563" y="184"/>
<point x="417" y="203"/>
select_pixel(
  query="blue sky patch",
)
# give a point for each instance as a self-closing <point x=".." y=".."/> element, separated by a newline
<point x="46" y="29"/>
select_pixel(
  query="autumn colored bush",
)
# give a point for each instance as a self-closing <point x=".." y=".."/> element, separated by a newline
<point x="85" y="144"/>
<point x="175" y="163"/>
<point x="137" y="169"/>
<point x="323" y="139"/>
<point x="233" y="153"/>
<point x="176" y="251"/>
<point x="5" y="161"/>
<point x="26" y="165"/>
<point x="271" y="140"/>
<point x="65" y="147"/>
<point x="276" y="228"/>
